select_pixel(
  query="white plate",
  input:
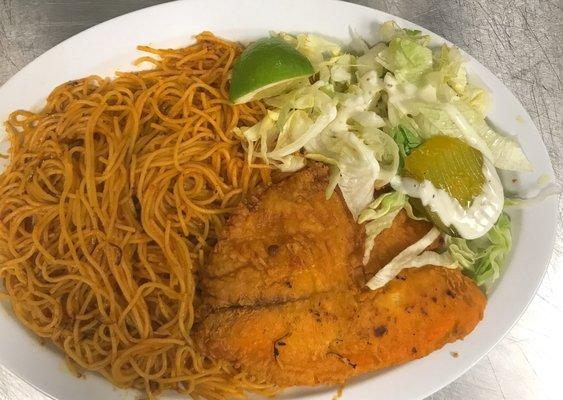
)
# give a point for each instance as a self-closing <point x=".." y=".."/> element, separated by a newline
<point x="111" y="45"/>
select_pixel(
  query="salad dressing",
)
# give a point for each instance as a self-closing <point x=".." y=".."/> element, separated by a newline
<point x="471" y="222"/>
<point x="356" y="105"/>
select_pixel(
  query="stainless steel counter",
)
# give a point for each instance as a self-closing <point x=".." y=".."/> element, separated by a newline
<point x="520" y="41"/>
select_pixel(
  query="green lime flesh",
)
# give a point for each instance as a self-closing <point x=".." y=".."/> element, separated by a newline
<point x="267" y="67"/>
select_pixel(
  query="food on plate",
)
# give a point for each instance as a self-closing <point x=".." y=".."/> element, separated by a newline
<point x="400" y="115"/>
<point x="331" y="336"/>
<point x="226" y="221"/>
<point x="114" y="194"/>
<point x="291" y="242"/>
<point x="457" y="189"/>
<point x="267" y="68"/>
<point x="289" y="301"/>
<point x="281" y="246"/>
<point x="449" y="164"/>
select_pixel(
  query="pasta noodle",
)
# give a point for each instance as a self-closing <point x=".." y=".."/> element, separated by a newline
<point x="114" y="194"/>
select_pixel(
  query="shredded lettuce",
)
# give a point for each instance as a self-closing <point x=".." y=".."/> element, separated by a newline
<point x="301" y="115"/>
<point x="357" y="43"/>
<point x="482" y="259"/>
<point x="341" y="71"/>
<point x="434" y="89"/>
<point x="379" y="216"/>
<point x="390" y="30"/>
<point x="382" y="205"/>
<point x="316" y="48"/>
<point x="367" y="107"/>
<point x="406" y="54"/>
<point x="355" y="163"/>
<point x="413" y="256"/>
<point x="406" y="58"/>
<point x="543" y="193"/>
<point x="448" y="70"/>
<point x="368" y="61"/>
<point x="386" y="153"/>
<point x="291" y="163"/>
<point x="360" y="161"/>
<point x="407" y="140"/>
<point x="478" y="98"/>
<point x="412" y="215"/>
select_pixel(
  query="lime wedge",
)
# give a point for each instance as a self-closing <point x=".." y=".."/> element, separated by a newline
<point x="266" y="68"/>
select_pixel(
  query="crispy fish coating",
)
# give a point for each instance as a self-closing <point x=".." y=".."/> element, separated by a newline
<point x="330" y="337"/>
<point x="288" y="244"/>
<point x="284" y="294"/>
<point x="291" y="242"/>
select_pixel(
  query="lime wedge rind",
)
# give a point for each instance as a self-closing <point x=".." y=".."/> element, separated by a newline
<point x="266" y="68"/>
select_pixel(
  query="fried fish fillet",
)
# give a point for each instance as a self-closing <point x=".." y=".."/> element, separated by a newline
<point x="288" y="244"/>
<point x="292" y="242"/>
<point x="285" y="298"/>
<point x="330" y="337"/>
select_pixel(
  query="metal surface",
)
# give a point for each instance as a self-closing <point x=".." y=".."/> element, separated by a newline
<point x="520" y="41"/>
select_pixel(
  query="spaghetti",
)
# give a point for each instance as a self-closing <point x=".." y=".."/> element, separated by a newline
<point x="114" y="194"/>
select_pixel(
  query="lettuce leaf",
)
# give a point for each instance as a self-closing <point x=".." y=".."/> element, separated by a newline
<point x="291" y="163"/>
<point x="413" y="256"/>
<point x="407" y="140"/>
<point x="459" y="119"/>
<point x="356" y="164"/>
<point x="386" y="153"/>
<point x="406" y="58"/>
<point x="259" y="137"/>
<point x="341" y="71"/>
<point x="541" y="194"/>
<point x="302" y="115"/>
<point x="390" y="30"/>
<point x="316" y="48"/>
<point x="357" y="44"/>
<point x="482" y="259"/>
<point x="448" y="69"/>
<point x="379" y="216"/>
<point x="368" y="61"/>
<point x="406" y="54"/>
<point x="361" y="161"/>
<point x="478" y="98"/>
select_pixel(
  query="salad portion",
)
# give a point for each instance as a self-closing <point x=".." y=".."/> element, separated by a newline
<point x="401" y="126"/>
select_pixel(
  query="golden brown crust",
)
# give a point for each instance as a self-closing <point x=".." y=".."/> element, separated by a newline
<point x="289" y="243"/>
<point x="298" y="313"/>
<point x="330" y="337"/>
